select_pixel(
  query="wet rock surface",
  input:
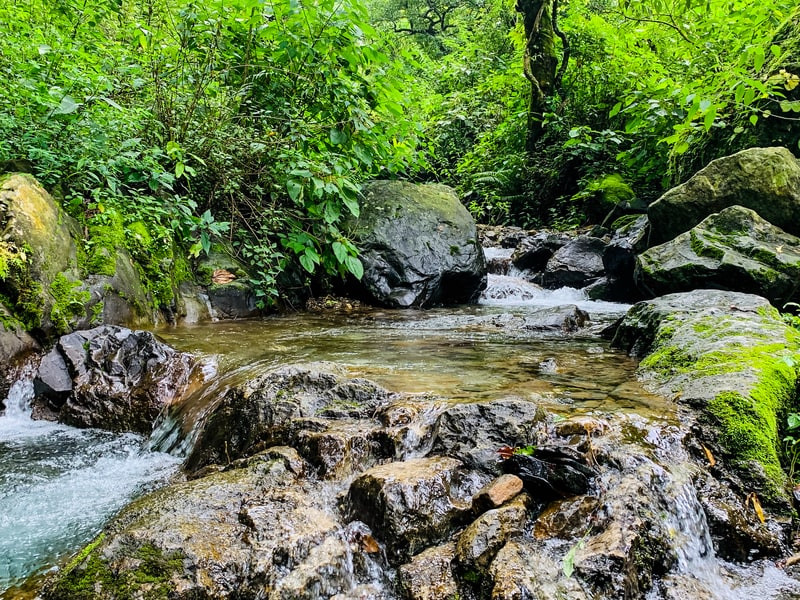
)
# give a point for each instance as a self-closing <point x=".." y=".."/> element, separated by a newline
<point x="419" y="246"/>
<point x="732" y="250"/>
<point x="413" y="503"/>
<point x="286" y="404"/>
<point x="723" y="357"/>
<point x="577" y="264"/>
<point x="766" y="180"/>
<point x="110" y="377"/>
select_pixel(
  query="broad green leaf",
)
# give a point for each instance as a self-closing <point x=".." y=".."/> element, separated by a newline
<point x="355" y="267"/>
<point x="67" y="106"/>
<point x="339" y="251"/>
<point x="295" y="190"/>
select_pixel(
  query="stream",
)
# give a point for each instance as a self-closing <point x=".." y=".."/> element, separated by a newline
<point x="60" y="485"/>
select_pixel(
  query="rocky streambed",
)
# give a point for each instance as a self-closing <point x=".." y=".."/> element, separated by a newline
<point x="501" y="451"/>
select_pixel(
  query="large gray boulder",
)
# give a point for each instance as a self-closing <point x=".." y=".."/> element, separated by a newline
<point x="732" y="250"/>
<point x="419" y="246"/>
<point x="111" y="378"/>
<point x="766" y="180"/>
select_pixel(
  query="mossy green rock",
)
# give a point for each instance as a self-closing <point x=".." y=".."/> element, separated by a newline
<point x="728" y="359"/>
<point x="42" y="235"/>
<point x="419" y="246"/>
<point x="734" y="250"/>
<point x="766" y="180"/>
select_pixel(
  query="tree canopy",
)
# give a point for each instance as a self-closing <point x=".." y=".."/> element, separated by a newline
<point x="255" y="121"/>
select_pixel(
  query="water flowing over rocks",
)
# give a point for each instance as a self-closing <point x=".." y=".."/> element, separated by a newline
<point x="419" y="246"/>
<point x="110" y="377"/>
<point x="726" y="358"/>
<point x="733" y="250"/>
<point x="766" y="180"/>
<point x="291" y="403"/>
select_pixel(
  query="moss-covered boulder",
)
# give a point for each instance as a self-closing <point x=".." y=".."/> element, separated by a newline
<point x="728" y="359"/>
<point x="766" y="180"/>
<point x="38" y="257"/>
<point x="419" y="246"/>
<point x="733" y="250"/>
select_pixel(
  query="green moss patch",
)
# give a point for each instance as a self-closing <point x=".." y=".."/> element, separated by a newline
<point x="747" y="365"/>
<point x="147" y="575"/>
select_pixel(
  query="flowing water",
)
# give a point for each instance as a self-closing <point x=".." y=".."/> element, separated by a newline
<point x="59" y="485"/>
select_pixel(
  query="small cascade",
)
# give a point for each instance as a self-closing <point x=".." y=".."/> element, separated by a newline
<point x="692" y="538"/>
<point x="59" y="484"/>
<point x="177" y="429"/>
<point x="18" y="402"/>
<point x="212" y="313"/>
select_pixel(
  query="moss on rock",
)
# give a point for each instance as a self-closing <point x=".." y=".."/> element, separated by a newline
<point x="147" y="575"/>
<point x="731" y="358"/>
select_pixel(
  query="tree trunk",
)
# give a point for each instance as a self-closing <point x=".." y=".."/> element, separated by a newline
<point x="540" y="62"/>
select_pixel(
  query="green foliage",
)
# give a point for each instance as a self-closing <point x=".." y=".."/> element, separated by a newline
<point x="195" y="117"/>
<point x="69" y="303"/>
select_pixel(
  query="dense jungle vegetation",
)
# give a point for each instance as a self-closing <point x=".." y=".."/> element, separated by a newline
<point x="254" y="121"/>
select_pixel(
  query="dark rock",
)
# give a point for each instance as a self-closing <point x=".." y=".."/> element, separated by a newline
<point x="533" y="252"/>
<point x="737" y="533"/>
<point x="53" y="381"/>
<point x="578" y="264"/>
<point x="234" y="300"/>
<point x="619" y="260"/>
<point x="429" y="575"/>
<point x="475" y="432"/>
<point x="766" y="180"/>
<point x="276" y="407"/>
<point x="550" y="473"/>
<point x="734" y="250"/>
<point x="120" y="379"/>
<point x="412" y="504"/>
<point x="419" y="246"/>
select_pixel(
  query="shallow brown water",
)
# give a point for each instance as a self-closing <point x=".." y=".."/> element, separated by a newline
<point x="440" y="352"/>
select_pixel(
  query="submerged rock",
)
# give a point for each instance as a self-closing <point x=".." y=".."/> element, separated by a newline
<point x="110" y="377"/>
<point x="733" y="250"/>
<point x="766" y="180"/>
<point x="419" y="246"/>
